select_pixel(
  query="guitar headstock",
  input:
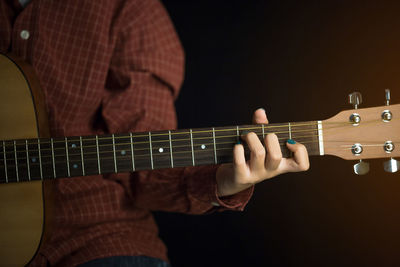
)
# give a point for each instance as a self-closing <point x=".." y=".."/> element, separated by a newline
<point x="366" y="133"/>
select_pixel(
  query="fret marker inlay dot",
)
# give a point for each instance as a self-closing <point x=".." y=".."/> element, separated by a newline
<point x="73" y="145"/>
<point x="203" y="146"/>
<point x="161" y="150"/>
<point x="33" y="159"/>
<point x="75" y="166"/>
<point x="123" y="152"/>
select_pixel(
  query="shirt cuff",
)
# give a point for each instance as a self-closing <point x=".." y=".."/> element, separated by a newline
<point x="202" y="190"/>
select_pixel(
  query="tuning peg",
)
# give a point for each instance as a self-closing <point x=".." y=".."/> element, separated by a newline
<point x="355" y="99"/>
<point x="391" y="165"/>
<point x="387" y="96"/>
<point x="361" y="168"/>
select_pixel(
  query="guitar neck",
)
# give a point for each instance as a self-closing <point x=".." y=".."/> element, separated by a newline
<point x="49" y="158"/>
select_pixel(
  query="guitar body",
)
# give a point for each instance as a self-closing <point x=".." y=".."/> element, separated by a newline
<point x="21" y="204"/>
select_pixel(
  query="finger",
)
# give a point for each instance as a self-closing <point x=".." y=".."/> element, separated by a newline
<point x="257" y="151"/>
<point x="239" y="160"/>
<point x="274" y="153"/>
<point x="300" y="160"/>
<point x="260" y="116"/>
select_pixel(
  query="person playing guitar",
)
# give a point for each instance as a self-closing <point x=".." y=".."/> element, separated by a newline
<point x="109" y="73"/>
<point x="112" y="67"/>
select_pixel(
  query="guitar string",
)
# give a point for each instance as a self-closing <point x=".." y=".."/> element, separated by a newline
<point x="127" y="157"/>
<point x="119" y="155"/>
<point x="109" y="158"/>
<point x="146" y="155"/>
<point x="153" y="141"/>
<point x="136" y="143"/>
<point x="158" y="141"/>
<point x="181" y="146"/>
<point x="146" y="142"/>
<point x="23" y="159"/>
<point x="256" y="127"/>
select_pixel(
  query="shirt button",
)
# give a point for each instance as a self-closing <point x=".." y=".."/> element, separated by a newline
<point x="24" y="34"/>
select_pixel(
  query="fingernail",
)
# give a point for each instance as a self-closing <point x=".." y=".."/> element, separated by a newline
<point x="291" y="141"/>
<point x="262" y="109"/>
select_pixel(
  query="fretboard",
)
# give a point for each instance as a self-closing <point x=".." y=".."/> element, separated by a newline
<point x="50" y="158"/>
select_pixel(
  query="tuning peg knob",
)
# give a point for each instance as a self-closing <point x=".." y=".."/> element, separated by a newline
<point x="391" y="165"/>
<point x="361" y="168"/>
<point x="355" y="99"/>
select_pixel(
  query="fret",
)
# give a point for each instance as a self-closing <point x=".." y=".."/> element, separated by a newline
<point x="20" y="160"/>
<point x="67" y="156"/>
<point x="263" y="130"/>
<point x="191" y="144"/>
<point x="82" y="161"/>
<point x="215" y="147"/>
<point x="74" y="156"/>
<point x="262" y="137"/>
<point x="141" y="150"/>
<point x="60" y="158"/>
<point x="151" y="151"/>
<point x="52" y="158"/>
<point x="161" y="150"/>
<point x="226" y="138"/>
<point x="237" y="134"/>
<point x="45" y="158"/>
<point x="307" y="134"/>
<point x="170" y="149"/>
<point x="3" y="166"/>
<point x="98" y="154"/>
<point x="181" y="148"/>
<point x="16" y="161"/>
<point x="132" y="152"/>
<point x="203" y="146"/>
<point x="115" y="159"/>
<point x="106" y="152"/>
<point x="40" y="160"/>
<point x="290" y="137"/>
<point x="123" y="152"/>
<point x="90" y="156"/>
<point x="10" y="161"/>
<point x="282" y="132"/>
<point x="27" y="159"/>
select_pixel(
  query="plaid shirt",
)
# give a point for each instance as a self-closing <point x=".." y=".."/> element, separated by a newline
<point x="107" y="67"/>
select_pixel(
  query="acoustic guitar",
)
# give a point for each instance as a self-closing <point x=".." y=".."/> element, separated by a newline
<point x="30" y="159"/>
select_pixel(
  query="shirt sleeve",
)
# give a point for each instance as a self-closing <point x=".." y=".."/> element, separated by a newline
<point x="146" y="72"/>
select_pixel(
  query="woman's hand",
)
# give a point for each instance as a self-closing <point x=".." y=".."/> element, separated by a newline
<point x="239" y="175"/>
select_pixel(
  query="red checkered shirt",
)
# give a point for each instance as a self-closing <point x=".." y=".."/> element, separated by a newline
<point x="107" y="67"/>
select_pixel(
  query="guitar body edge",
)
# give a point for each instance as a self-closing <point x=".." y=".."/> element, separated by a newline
<point x="21" y="204"/>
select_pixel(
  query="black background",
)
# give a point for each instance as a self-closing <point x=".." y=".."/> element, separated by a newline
<point x="299" y="60"/>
